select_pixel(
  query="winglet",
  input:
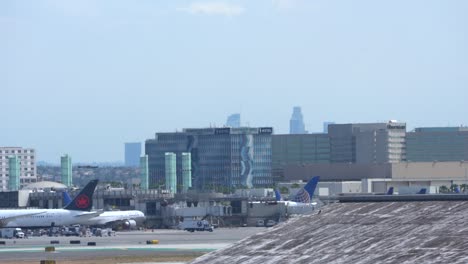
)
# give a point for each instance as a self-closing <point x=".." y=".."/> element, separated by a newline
<point x="390" y="191"/>
<point x="84" y="200"/>
<point x="66" y="198"/>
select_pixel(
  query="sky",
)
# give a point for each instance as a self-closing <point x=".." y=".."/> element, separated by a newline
<point x="83" y="77"/>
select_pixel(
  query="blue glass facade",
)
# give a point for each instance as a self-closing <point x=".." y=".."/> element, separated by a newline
<point x="220" y="157"/>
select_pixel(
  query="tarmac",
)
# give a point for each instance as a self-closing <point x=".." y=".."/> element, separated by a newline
<point x="172" y="243"/>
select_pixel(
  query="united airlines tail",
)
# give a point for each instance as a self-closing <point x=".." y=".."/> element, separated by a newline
<point x="390" y="191"/>
<point x="277" y="195"/>
<point x="422" y="191"/>
<point x="305" y="194"/>
<point x="84" y="200"/>
<point x="312" y="185"/>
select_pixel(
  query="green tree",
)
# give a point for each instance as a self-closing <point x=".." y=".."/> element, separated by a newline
<point x="443" y="189"/>
<point x="295" y="185"/>
<point x="463" y="187"/>
<point x="284" y="190"/>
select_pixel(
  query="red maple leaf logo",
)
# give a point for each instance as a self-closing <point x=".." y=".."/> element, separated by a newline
<point x="82" y="201"/>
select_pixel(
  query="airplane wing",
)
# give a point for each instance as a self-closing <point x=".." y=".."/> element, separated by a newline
<point x="6" y="220"/>
<point x="89" y="214"/>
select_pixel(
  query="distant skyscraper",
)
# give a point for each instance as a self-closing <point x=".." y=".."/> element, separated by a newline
<point x="132" y="154"/>
<point x="66" y="165"/>
<point x="325" y="126"/>
<point x="233" y="120"/>
<point x="296" y="124"/>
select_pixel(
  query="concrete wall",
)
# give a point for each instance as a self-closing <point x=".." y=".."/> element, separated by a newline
<point x="337" y="171"/>
<point x="445" y="171"/>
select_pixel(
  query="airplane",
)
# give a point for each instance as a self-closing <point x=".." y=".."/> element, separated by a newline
<point x="74" y="212"/>
<point x="127" y="219"/>
<point x="304" y="196"/>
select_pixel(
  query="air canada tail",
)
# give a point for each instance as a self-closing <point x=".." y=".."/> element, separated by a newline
<point x="84" y="200"/>
<point x="390" y="191"/>
<point x="277" y="195"/>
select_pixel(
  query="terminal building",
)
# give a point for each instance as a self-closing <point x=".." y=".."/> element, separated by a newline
<point x="25" y="172"/>
<point x="220" y="157"/>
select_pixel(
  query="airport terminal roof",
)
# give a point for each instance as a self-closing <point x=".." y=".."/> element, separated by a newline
<point x="369" y="232"/>
<point x="45" y="185"/>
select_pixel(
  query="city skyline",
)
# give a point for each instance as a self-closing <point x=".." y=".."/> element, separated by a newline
<point x="83" y="77"/>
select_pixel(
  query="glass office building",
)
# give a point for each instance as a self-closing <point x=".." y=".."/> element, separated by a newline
<point x="220" y="157"/>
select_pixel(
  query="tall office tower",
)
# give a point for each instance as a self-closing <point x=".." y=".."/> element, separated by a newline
<point x="66" y="167"/>
<point x="14" y="171"/>
<point x="437" y="144"/>
<point x="186" y="171"/>
<point x="296" y="124"/>
<point x="132" y="154"/>
<point x="368" y="143"/>
<point x="325" y="126"/>
<point x="220" y="157"/>
<point x="144" y="172"/>
<point x="27" y="160"/>
<point x="171" y="173"/>
<point x="233" y="120"/>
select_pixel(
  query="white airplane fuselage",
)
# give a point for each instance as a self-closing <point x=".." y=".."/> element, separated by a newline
<point x="114" y="216"/>
<point x="40" y="217"/>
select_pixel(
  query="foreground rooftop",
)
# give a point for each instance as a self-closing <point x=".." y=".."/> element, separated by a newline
<point x="365" y="232"/>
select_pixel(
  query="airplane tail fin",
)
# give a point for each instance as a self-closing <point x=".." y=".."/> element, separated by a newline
<point x="277" y="195"/>
<point x="305" y="194"/>
<point x="457" y="189"/>
<point x="390" y="191"/>
<point x="312" y="185"/>
<point x="84" y="200"/>
<point x="422" y="191"/>
<point x="66" y="198"/>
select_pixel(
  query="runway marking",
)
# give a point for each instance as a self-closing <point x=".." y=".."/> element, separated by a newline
<point x="179" y="247"/>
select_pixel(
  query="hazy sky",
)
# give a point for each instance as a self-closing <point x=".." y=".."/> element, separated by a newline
<point x="83" y="77"/>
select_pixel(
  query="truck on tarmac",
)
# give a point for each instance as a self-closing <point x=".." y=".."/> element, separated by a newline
<point x="196" y="225"/>
<point x="11" y="233"/>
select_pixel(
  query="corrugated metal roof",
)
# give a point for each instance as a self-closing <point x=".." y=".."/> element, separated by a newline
<point x="383" y="232"/>
<point x="44" y="185"/>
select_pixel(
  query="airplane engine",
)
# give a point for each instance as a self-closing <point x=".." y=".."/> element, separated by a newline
<point x="130" y="224"/>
